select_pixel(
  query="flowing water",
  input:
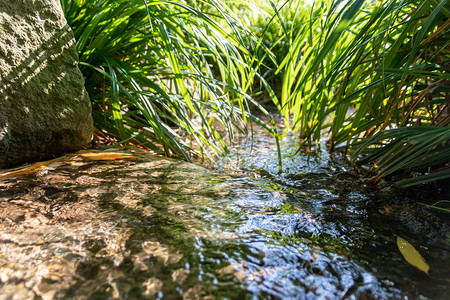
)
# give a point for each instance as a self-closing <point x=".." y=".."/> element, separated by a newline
<point x="105" y="226"/>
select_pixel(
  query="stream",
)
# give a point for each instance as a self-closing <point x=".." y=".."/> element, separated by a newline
<point x="128" y="225"/>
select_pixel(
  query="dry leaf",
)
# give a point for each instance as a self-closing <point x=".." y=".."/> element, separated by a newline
<point x="411" y="255"/>
<point x="29" y="170"/>
<point x="106" y="155"/>
<point x="88" y="155"/>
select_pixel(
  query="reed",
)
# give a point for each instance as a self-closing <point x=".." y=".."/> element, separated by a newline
<point x="374" y="77"/>
<point x="160" y="73"/>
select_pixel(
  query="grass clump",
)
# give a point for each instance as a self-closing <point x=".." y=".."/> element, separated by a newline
<point x="371" y="75"/>
<point x="374" y="77"/>
<point x="160" y="73"/>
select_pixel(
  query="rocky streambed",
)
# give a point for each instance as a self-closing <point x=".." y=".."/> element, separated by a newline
<point x="126" y="225"/>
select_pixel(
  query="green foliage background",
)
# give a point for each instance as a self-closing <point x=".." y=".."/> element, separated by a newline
<point x="160" y="73"/>
<point x="373" y="76"/>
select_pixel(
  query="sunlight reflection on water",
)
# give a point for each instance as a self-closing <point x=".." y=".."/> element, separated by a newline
<point x="161" y="228"/>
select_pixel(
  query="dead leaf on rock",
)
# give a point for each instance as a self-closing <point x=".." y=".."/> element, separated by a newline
<point x="43" y="166"/>
<point x="105" y="155"/>
<point x="29" y="169"/>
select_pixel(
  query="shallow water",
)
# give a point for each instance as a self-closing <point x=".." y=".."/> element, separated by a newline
<point x="147" y="227"/>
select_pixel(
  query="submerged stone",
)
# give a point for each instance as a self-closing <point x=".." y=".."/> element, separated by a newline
<point x="126" y="225"/>
<point x="66" y="226"/>
<point x="45" y="109"/>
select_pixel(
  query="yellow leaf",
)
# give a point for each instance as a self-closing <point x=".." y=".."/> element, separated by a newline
<point x="411" y="255"/>
<point x="107" y="155"/>
<point x="87" y="155"/>
<point x="29" y="170"/>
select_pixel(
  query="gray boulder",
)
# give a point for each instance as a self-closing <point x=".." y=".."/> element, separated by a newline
<point x="44" y="107"/>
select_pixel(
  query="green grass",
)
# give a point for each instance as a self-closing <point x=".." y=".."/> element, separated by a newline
<point x="357" y="70"/>
<point x="423" y="151"/>
<point x="161" y="73"/>
<point x="175" y="76"/>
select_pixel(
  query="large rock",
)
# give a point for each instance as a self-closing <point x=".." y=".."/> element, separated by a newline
<point x="45" y="109"/>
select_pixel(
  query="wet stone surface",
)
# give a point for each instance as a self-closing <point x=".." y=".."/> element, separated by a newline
<point x="143" y="227"/>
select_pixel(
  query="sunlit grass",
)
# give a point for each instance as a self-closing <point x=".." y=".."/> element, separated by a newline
<point x="161" y="73"/>
<point x="174" y="76"/>
<point x="354" y="69"/>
